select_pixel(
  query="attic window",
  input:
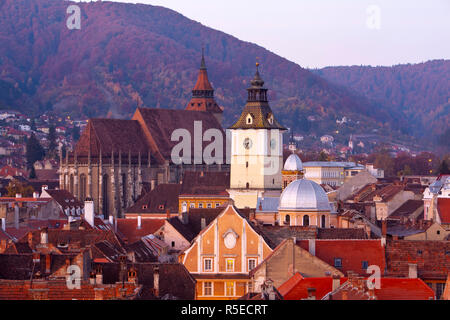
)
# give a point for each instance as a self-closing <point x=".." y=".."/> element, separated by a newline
<point x="161" y="207"/>
<point x="145" y="206"/>
<point x="365" y="265"/>
<point x="249" y="119"/>
<point x="270" y="118"/>
<point x="337" y="262"/>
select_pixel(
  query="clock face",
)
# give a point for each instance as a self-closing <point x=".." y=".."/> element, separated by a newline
<point x="230" y="241"/>
<point x="273" y="144"/>
<point x="247" y="143"/>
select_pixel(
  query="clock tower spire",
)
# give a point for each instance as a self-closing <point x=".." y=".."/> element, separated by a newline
<point x="256" y="149"/>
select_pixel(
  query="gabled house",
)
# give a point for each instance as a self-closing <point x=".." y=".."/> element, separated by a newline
<point x="222" y="255"/>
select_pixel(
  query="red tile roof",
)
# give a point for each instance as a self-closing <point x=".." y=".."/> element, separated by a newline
<point x="164" y="197"/>
<point x="127" y="228"/>
<point x="443" y="205"/>
<point x="296" y="288"/>
<point x="403" y="289"/>
<point x="351" y="252"/>
<point x="432" y="258"/>
<point x="205" y="183"/>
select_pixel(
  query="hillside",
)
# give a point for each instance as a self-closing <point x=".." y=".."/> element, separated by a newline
<point x="130" y="55"/>
<point x="420" y="91"/>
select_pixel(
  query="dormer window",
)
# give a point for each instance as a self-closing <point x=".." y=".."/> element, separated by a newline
<point x="161" y="207"/>
<point x="144" y="207"/>
<point x="270" y="118"/>
<point x="249" y="119"/>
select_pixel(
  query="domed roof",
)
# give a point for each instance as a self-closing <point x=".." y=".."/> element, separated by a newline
<point x="304" y="194"/>
<point x="293" y="163"/>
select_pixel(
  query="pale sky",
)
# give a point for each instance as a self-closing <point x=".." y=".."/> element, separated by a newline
<point x="318" y="33"/>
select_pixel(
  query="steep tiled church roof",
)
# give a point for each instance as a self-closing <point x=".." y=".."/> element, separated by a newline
<point x="159" y="124"/>
<point x="110" y="135"/>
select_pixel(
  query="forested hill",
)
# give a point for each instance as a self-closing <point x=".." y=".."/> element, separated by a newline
<point x="130" y="55"/>
<point x="420" y="91"/>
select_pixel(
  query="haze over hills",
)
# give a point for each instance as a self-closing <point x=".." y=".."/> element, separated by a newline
<point x="130" y="55"/>
<point x="420" y="91"/>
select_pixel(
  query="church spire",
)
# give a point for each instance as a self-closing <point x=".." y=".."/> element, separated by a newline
<point x="203" y="93"/>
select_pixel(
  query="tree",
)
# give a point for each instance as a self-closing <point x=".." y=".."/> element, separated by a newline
<point x="35" y="151"/>
<point x="443" y="168"/>
<point x="33" y="125"/>
<point x="32" y="173"/>
<point x="76" y="133"/>
<point x="15" y="187"/>
<point x="384" y="161"/>
<point x="323" y="156"/>
<point x="52" y="139"/>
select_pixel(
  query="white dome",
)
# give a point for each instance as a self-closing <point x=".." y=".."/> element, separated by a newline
<point x="293" y="163"/>
<point x="304" y="195"/>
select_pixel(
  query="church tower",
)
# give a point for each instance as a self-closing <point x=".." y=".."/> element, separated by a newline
<point x="256" y="149"/>
<point x="203" y="94"/>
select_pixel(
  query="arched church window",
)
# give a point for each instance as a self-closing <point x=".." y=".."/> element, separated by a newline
<point x="306" y="220"/>
<point x="105" y="195"/>
<point x="323" y="222"/>
<point x="83" y="187"/>
<point x="71" y="184"/>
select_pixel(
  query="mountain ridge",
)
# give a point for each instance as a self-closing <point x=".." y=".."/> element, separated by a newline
<point x="133" y="55"/>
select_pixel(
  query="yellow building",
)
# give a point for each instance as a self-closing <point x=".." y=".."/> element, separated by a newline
<point x="222" y="255"/>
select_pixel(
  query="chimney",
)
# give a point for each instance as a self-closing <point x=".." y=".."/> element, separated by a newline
<point x="203" y="223"/>
<point x="111" y="220"/>
<point x="48" y="263"/>
<point x="44" y="236"/>
<point x="139" y="222"/>
<point x="168" y="214"/>
<point x="98" y="275"/>
<point x="412" y="271"/>
<point x="89" y="211"/>
<point x="92" y="278"/>
<point x="336" y="282"/>
<point x="16" y="215"/>
<point x="152" y="185"/>
<point x="35" y="195"/>
<point x="383" y="232"/>
<point x="311" y="293"/>
<point x="184" y="218"/>
<point x="4" y="224"/>
<point x="18" y="195"/>
<point x="312" y="246"/>
<point x="156" y="281"/>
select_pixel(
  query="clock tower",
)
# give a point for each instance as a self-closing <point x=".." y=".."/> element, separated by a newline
<point x="256" y="149"/>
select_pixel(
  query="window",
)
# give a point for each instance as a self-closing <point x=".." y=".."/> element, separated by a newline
<point x="217" y="205"/>
<point x="306" y="220"/>
<point x="247" y="185"/>
<point x="251" y="264"/>
<point x="287" y="219"/>
<point x="207" y="288"/>
<point x="229" y="265"/>
<point x="229" y="288"/>
<point x="337" y="262"/>
<point x="192" y="205"/>
<point x="365" y="265"/>
<point x="323" y="218"/>
<point x="246" y="164"/>
<point x="200" y="205"/>
<point x="173" y="244"/>
<point x="207" y="264"/>
<point x="209" y="205"/>
<point x="249" y="287"/>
